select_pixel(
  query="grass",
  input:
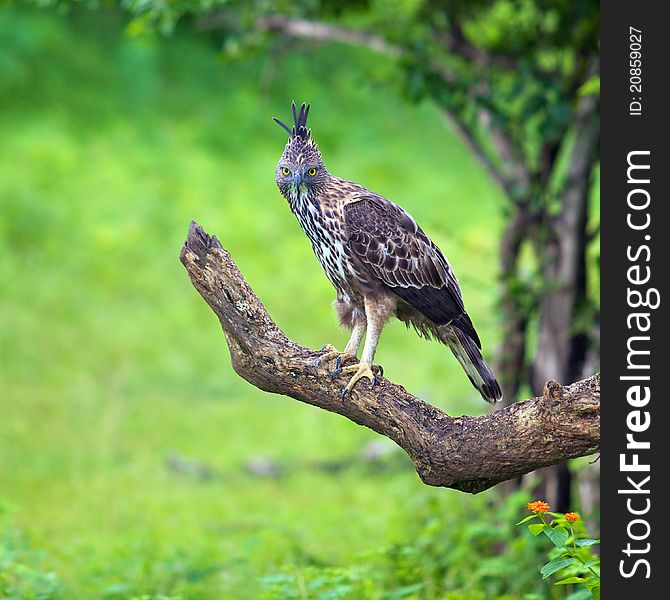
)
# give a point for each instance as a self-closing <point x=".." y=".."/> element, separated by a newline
<point x="111" y="362"/>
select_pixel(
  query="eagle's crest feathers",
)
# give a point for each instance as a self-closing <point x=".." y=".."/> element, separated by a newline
<point x="299" y="129"/>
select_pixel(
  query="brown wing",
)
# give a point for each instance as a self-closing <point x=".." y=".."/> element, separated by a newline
<point x="396" y="251"/>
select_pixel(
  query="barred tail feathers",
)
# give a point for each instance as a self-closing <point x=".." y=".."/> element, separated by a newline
<point x="466" y="352"/>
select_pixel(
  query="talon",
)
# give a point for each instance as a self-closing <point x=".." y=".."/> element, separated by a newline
<point x="329" y="352"/>
<point x="360" y="370"/>
<point x="339" y="357"/>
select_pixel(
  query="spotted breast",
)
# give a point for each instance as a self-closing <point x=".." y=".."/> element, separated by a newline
<point x="323" y="224"/>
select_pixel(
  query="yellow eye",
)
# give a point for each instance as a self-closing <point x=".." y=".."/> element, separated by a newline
<point x="286" y="171"/>
<point x="311" y="172"/>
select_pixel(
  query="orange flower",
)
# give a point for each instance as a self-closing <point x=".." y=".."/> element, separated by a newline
<point x="571" y="517"/>
<point x="538" y="507"/>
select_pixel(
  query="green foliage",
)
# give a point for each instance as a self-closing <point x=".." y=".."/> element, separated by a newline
<point x="21" y="575"/>
<point x="572" y="558"/>
<point x="520" y="60"/>
<point x="448" y="552"/>
<point x="590" y="87"/>
<point x="456" y="551"/>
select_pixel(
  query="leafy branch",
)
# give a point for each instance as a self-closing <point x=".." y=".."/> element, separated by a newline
<point x="573" y="557"/>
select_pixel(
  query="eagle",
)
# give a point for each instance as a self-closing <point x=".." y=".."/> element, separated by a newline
<point x="381" y="263"/>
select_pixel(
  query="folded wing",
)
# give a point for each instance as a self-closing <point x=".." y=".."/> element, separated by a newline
<point x="395" y="251"/>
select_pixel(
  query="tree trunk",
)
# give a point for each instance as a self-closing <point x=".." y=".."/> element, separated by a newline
<point x="561" y="246"/>
<point x="512" y="351"/>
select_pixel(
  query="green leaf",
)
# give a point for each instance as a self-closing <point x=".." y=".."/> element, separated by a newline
<point x="586" y="542"/>
<point x="556" y="515"/>
<point x="594" y="588"/>
<point x="568" y="580"/>
<point x="526" y="519"/>
<point x="558" y="535"/>
<point x="536" y="528"/>
<point x="590" y="88"/>
<point x="555" y="565"/>
<point x="592" y="563"/>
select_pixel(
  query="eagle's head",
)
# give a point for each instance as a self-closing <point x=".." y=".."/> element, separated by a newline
<point x="300" y="170"/>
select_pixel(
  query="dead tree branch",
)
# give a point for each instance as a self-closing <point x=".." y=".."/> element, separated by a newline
<point x="465" y="453"/>
<point x="324" y="32"/>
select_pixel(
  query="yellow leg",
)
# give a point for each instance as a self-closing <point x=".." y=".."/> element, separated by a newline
<point x="350" y="350"/>
<point x="377" y="313"/>
<point x="330" y="353"/>
<point x="360" y="370"/>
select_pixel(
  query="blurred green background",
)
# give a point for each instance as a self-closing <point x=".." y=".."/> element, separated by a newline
<point x="132" y="459"/>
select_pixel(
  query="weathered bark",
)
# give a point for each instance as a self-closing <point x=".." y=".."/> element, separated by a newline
<point x="465" y="453"/>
